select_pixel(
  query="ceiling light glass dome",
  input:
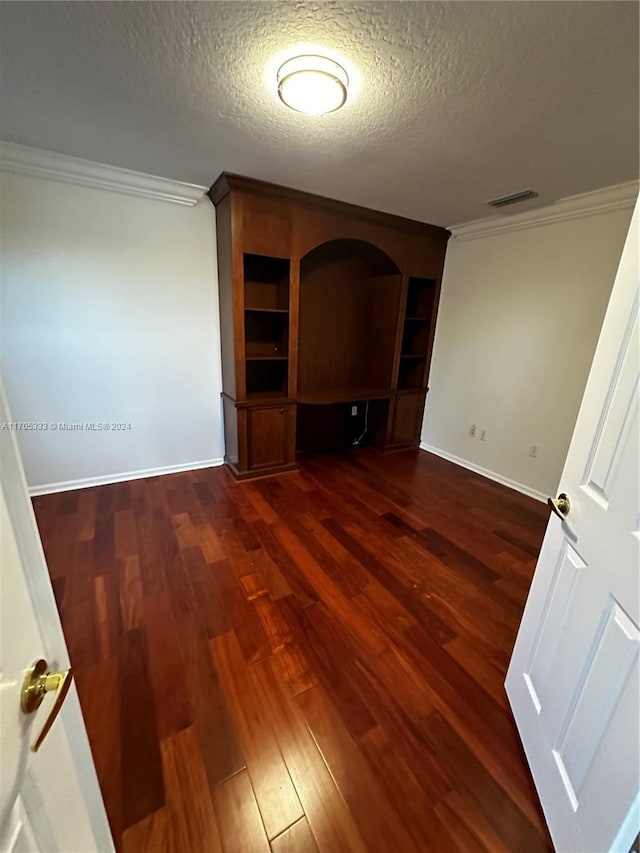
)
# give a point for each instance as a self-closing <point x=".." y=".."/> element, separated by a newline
<point x="314" y="85"/>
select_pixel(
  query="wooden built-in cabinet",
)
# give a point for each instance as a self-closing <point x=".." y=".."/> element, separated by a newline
<point x="269" y="430"/>
<point x="326" y="309"/>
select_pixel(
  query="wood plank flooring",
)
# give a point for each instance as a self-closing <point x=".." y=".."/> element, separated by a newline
<point x="310" y="662"/>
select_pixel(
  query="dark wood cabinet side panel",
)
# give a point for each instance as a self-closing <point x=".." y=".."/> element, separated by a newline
<point x="407" y="418"/>
<point x="237" y="257"/>
<point x="294" y="321"/>
<point x="230" y="430"/>
<point x="426" y="255"/>
<point x="432" y="334"/>
<point x="383" y="316"/>
<point x="226" y="295"/>
<point x="243" y="439"/>
<point x="290" y="434"/>
<point x="432" y="327"/>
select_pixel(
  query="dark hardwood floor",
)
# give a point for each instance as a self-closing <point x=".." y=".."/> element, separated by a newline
<point x="310" y="662"/>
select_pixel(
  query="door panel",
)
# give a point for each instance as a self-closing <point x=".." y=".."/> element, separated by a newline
<point x="552" y="622"/>
<point x="407" y="418"/>
<point x="37" y="789"/>
<point x="267" y="437"/>
<point x="573" y="679"/>
<point x="616" y="423"/>
<point x="606" y="676"/>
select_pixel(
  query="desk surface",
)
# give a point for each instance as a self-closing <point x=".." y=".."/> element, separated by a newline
<point x="342" y="395"/>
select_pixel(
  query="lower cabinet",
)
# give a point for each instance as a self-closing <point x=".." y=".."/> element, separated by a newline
<point x="259" y="439"/>
<point x="407" y="418"/>
<point x="270" y="437"/>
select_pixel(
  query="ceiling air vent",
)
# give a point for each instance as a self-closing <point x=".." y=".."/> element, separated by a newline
<point x="525" y="195"/>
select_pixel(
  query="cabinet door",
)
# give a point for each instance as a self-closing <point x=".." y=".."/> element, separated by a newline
<point x="268" y="434"/>
<point x="407" y="418"/>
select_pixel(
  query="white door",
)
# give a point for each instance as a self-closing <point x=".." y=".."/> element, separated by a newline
<point x="573" y="678"/>
<point x="49" y="800"/>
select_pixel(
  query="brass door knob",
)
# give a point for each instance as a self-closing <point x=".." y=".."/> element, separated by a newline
<point x="560" y="505"/>
<point x="37" y="682"/>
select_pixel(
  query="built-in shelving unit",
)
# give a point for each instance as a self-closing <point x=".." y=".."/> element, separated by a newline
<point x="266" y="324"/>
<point x="327" y="317"/>
<point x="421" y="293"/>
<point x="416" y="332"/>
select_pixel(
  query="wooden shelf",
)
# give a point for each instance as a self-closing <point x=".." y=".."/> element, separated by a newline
<point x="411" y="371"/>
<point x="410" y="389"/>
<point x="267" y="310"/>
<point x="260" y="398"/>
<point x="266" y="397"/>
<point x="342" y="395"/>
<point x="267" y="358"/>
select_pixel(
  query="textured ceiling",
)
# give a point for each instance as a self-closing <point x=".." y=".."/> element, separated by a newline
<point x="452" y="103"/>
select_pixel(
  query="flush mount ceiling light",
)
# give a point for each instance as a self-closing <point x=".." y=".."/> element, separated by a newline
<point x="313" y="85"/>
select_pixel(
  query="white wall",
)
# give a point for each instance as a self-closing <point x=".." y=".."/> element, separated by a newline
<point x="519" y="318"/>
<point x="109" y="313"/>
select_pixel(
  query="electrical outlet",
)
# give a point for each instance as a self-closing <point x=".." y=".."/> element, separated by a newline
<point x="472" y="430"/>
<point x="534" y="451"/>
<point x="483" y="435"/>
<point x="354" y="411"/>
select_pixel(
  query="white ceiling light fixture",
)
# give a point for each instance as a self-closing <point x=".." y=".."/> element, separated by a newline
<point x="314" y="85"/>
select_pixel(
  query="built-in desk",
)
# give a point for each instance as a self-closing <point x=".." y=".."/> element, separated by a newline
<point x="343" y="395"/>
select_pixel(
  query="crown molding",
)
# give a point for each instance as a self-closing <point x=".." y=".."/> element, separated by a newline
<point x="24" y="160"/>
<point x="618" y="197"/>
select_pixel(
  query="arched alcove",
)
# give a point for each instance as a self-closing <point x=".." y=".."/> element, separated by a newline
<point x="349" y="302"/>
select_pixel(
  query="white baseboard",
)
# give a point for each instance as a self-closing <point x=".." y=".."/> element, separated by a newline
<point x="106" y="479"/>
<point x="485" y="472"/>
